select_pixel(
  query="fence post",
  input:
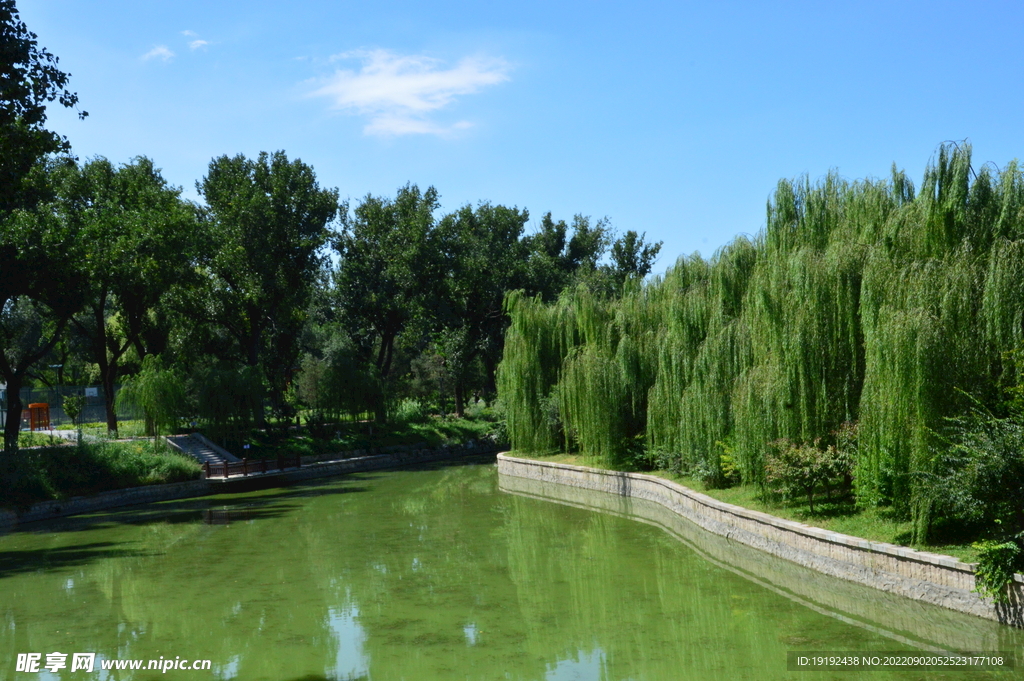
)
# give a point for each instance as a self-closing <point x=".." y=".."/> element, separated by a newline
<point x="245" y="466"/>
<point x="206" y="469"/>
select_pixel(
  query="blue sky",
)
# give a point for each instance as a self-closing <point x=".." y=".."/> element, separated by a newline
<point x="676" y="119"/>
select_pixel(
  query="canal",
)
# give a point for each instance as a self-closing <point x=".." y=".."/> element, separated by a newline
<point x="440" y="572"/>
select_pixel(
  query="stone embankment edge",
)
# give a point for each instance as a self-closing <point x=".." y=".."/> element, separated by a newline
<point x="313" y="467"/>
<point x="932" y="578"/>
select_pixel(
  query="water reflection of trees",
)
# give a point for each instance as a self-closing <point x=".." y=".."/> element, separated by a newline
<point x="417" y="575"/>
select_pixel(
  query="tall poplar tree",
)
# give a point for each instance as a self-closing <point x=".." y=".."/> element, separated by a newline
<point x="137" y="240"/>
<point x="267" y="223"/>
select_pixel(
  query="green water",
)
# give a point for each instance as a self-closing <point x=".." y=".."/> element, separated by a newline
<point x="436" y="573"/>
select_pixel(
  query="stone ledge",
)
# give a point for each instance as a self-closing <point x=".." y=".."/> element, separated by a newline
<point x="929" y="577"/>
<point x="45" y="510"/>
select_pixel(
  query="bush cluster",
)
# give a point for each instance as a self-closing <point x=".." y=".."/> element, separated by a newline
<point x="64" y="471"/>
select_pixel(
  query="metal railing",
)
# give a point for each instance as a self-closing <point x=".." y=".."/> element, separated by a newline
<point x="246" y="467"/>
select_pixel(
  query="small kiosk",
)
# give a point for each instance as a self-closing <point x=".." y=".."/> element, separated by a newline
<point x="39" y="416"/>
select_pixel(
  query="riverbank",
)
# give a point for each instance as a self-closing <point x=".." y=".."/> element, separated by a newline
<point x="394" y="457"/>
<point x="932" y="578"/>
<point x="875" y="524"/>
<point x="50" y="469"/>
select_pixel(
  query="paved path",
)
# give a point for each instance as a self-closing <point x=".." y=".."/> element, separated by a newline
<point x="201" y="449"/>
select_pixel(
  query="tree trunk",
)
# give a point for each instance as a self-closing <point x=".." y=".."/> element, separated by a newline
<point x="108" y="376"/>
<point x="253" y="360"/>
<point x="14" y="375"/>
<point x="459" y="398"/>
<point x="14" y="409"/>
<point x="490" y="382"/>
<point x="386" y="369"/>
<point x="107" y="365"/>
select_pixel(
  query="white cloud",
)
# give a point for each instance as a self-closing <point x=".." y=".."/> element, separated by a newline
<point x="158" y="52"/>
<point x="197" y="42"/>
<point x="398" y="92"/>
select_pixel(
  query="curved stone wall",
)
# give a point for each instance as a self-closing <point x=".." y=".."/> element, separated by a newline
<point x="927" y="577"/>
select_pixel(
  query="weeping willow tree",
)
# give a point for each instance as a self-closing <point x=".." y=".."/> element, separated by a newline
<point x="861" y="301"/>
<point x="158" y="392"/>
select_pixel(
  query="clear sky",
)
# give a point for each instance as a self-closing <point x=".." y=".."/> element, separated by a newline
<point x="672" y="118"/>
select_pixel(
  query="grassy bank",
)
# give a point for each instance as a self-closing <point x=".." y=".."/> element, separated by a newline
<point x="67" y="470"/>
<point x="48" y="467"/>
<point x="874" y="524"/>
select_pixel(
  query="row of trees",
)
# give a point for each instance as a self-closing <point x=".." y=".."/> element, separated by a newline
<point x="270" y="293"/>
<point x="235" y="292"/>
<point x="869" y="323"/>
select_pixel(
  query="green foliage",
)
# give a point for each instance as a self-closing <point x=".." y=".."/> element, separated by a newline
<point x="348" y="436"/>
<point x="137" y="239"/>
<point x="337" y="383"/>
<point x="411" y="411"/>
<point x="157" y="391"/>
<point x="977" y="478"/>
<point x="792" y="470"/>
<point x="632" y="258"/>
<point x="865" y="302"/>
<point x="30" y="80"/>
<point x="731" y="474"/>
<point x="226" y="398"/>
<point x="265" y="229"/>
<point x="73" y="406"/>
<point x="997" y="564"/>
<point x="392" y="268"/>
<point x="73" y="470"/>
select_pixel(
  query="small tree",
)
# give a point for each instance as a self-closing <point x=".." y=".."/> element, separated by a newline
<point x="158" y="392"/>
<point x="74" y="405"/>
<point x="793" y="469"/>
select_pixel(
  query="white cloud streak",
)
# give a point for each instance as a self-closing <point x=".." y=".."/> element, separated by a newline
<point x="398" y="93"/>
<point x="196" y="41"/>
<point x="158" y="52"/>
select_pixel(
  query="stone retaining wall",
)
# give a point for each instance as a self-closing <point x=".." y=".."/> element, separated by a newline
<point x="312" y="468"/>
<point x="928" y="577"/>
<point x="908" y="622"/>
<point x="118" y="497"/>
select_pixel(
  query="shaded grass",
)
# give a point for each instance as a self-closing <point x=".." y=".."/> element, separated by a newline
<point x="39" y="439"/>
<point x="874" y="524"/>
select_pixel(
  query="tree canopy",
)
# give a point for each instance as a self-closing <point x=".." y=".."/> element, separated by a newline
<point x="266" y="223"/>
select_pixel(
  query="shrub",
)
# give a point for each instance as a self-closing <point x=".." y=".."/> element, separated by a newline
<point x="997" y="563"/>
<point x="720" y="474"/>
<point x="411" y="411"/>
<point x="71" y="470"/>
<point x="978" y="475"/>
<point x="793" y="470"/>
